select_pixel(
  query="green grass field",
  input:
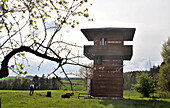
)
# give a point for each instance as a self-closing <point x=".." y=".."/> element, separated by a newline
<point x="75" y="87"/>
<point x="22" y="99"/>
<point x="7" y="78"/>
<point x="78" y="81"/>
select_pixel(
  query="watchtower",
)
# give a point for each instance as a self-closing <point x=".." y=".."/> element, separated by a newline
<point x="108" y="54"/>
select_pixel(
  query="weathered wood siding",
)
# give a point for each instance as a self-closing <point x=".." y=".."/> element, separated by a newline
<point x="108" y="54"/>
<point x="108" y="79"/>
<point x="115" y="52"/>
<point x="107" y="84"/>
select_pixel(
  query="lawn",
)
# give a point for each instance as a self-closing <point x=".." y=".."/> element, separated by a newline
<point x="22" y="99"/>
<point x="75" y="87"/>
<point x="78" y="81"/>
<point x="7" y="78"/>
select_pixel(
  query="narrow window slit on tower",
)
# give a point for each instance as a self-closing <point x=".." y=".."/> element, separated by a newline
<point x="103" y="41"/>
<point x="99" y="60"/>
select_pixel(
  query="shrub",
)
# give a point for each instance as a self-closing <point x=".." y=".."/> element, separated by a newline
<point x="145" y="84"/>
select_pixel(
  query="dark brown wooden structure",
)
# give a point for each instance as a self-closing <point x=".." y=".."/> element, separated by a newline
<point x="108" y="54"/>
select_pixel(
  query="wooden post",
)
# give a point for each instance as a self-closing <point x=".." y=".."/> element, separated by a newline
<point x="49" y="94"/>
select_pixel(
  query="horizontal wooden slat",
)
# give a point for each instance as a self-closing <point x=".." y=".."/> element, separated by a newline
<point x="107" y="72"/>
<point x="112" y="62"/>
<point x="117" y="51"/>
<point x="108" y="95"/>
<point x="108" y="83"/>
<point x="104" y="79"/>
<point x="115" y="87"/>
<point x="108" y="68"/>
<point x="107" y="76"/>
<point x="107" y="90"/>
<point x="116" y="91"/>
<point x="99" y="78"/>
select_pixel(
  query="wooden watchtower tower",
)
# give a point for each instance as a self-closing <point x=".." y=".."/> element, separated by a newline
<point x="108" y="54"/>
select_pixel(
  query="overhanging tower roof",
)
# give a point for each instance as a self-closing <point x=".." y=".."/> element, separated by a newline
<point x="127" y="33"/>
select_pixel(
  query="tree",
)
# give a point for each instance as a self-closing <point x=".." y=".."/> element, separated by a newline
<point x="42" y="83"/>
<point x="26" y="84"/>
<point x="166" y="51"/>
<point x="36" y="81"/>
<point x="85" y="72"/>
<point x="163" y="84"/>
<point x="129" y="79"/>
<point x="163" y="77"/>
<point x="145" y="84"/>
<point x="55" y="83"/>
<point x="32" y="26"/>
<point x="16" y="84"/>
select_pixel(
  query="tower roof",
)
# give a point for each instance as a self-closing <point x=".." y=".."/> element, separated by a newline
<point x="127" y="33"/>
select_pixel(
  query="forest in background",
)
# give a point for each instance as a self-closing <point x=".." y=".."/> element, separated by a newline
<point x="130" y="77"/>
<point x="41" y="83"/>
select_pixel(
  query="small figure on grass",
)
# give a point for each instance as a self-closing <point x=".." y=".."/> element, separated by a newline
<point x="32" y="89"/>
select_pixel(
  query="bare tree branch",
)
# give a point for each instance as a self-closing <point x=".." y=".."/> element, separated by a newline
<point x="25" y="29"/>
<point x="4" y="65"/>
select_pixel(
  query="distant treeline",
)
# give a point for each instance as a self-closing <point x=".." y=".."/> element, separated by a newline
<point x="130" y="77"/>
<point x="72" y="78"/>
<point x="41" y="83"/>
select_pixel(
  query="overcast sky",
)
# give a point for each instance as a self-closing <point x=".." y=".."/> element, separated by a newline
<point x="151" y="18"/>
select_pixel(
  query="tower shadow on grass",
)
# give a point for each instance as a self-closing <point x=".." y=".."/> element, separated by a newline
<point x="131" y="103"/>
